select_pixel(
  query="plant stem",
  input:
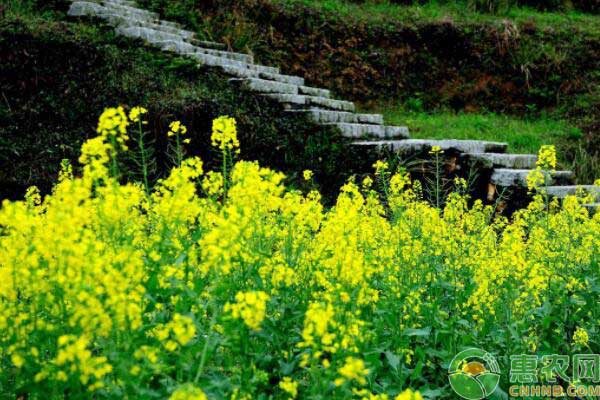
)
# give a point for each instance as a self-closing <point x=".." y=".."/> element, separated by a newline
<point x="437" y="180"/>
<point x="225" y="178"/>
<point x="179" y="150"/>
<point x="143" y="155"/>
<point x="114" y="165"/>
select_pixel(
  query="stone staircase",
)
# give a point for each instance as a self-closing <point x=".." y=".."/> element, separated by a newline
<point x="367" y="131"/>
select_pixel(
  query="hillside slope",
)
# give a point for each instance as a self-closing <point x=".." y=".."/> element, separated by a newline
<point x="528" y="65"/>
<point x="58" y="74"/>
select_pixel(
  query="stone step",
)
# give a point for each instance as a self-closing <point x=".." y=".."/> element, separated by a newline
<point x="124" y="9"/>
<point x="160" y="25"/>
<point x="244" y="58"/>
<point x="569" y="190"/>
<point x="291" y="79"/>
<point x="504" y="160"/>
<point x="112" y="14"/>
<point x="284" y="84"/>
<point x="518" y="177"/>
<point x="358" y="131"/>
<point x="592" y="208"/>
<point x="135" y="22"/>
<point x="257" y="71"/>
<point x="129" y="3"/>
<point x="189" y="36"/>
<point x="207" y="44"/>
<point x="229" y="66"/>
<point x="419" y="145"/>
<point x="262" y="72"/>
<point x="291" y="100"/>
<point x="117" y="17"/>
<point x="170" y="24"/>
<point x="301" y="101"/>
<point x="205" y="57"/>
<point x="312" y="91"/>
<point x="266" y="75"/>
<point x="332" y="104"/>
<point x="86" y="9"/>
<point x="160" y="37"/>
<point x="266" y="86"/>
<point x="326" y="116"/>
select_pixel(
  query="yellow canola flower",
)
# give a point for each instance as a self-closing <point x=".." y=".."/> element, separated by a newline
<point x="536" y="179"/>
<point x="75" y="356"/>
<point x="112" y="125"/>
<point x="352" y="370"/>
<point x="178" y="332"/>
<point x="136" y="113"/>
<point x="547" y="157"/>
<point x="176" y="127"/>
<point x="213" y="183"/>
<point x="17" y="360"/>
<point x="581" y="337"/>
<point x="436" y="150"/>
<point x="224" y="134"/>
<point x="307" y="174"/>
<point x="380" y="167"/>
<point x="409" y="394"/>
<point x="250" y="307"/>
<point x="289" y="386"/>
<point x="188" y="392"/>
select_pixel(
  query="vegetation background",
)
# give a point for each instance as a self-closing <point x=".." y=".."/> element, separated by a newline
<point x="427" y="60"/>
<point x="251" y="289"/>
<point x="523" y="72"/>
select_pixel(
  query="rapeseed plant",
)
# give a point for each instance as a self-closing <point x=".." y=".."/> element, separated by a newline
<point x="224" y="284"/>
<point x="581" y="337"/>
<point x="249" y="307"/>
<point x="352" y="370"/>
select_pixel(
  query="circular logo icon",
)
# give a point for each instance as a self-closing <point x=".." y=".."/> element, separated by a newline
<point x="474" y="374"/>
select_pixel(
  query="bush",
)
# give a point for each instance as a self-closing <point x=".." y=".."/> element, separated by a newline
<point x="226" y="284"/>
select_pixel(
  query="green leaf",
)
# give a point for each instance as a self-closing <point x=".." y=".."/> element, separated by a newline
<point x="418" y="332"/>
<point x="393" y="360"/>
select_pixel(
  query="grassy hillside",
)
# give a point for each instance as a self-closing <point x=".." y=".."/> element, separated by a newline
<point x="57" y="74"/>
<point x="469" y="76"/>
<point x="568" y="17"/>
<point x="534" y="66"/>
<point x="522" y="135"/>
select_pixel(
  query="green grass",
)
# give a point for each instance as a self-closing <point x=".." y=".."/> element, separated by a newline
<point x="522" y="135"/>
<point x="457" y="11"/>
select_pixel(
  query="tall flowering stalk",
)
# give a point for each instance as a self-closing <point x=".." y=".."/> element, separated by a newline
<point x="224" y="137"/>
<point x="136" y="117"/>
<point x="178" y="130"/>
<point x="112" y="127"/>
<point x="437" y="153"/>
